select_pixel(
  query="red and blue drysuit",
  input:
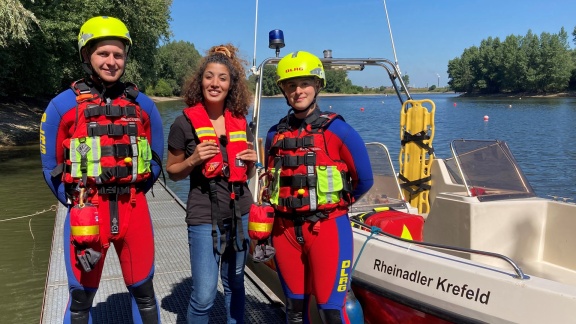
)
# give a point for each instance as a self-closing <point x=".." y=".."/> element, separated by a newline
<point x="314" y="246"/>
<point x="134" y="240"/>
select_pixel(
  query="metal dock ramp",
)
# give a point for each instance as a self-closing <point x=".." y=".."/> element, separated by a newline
<point x="171" y="279"/>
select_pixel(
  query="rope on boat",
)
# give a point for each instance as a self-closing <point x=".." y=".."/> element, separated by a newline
<point x="52" y="208"/>
<point x="373" y="230"/>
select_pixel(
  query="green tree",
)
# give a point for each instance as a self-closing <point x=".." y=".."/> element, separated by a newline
<point x="176" y="60"/>
<point x="269" y="87"/>
<point x="406" y="80"/>
<point x="514" y="64"/>
<point x="529" y="63"/>
<point x="461" y="74"/>
<point x="488" y="68"/>
<point x="337" y="81"/>
<point x="15" y="22"/>
<point x="530" y="47"/>
<point x="163" y="88"/>
<point x="50" y="62"/>
<point x="556" y="63"/>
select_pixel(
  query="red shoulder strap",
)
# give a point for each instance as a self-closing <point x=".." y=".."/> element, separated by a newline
<point x="237" y="142"/>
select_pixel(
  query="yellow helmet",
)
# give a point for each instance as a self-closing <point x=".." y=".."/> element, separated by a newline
<point x="101" y="27"/>
<point x="300" y="64"/>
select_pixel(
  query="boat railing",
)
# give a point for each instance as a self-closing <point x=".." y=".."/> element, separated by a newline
<point x="519" y="273"/>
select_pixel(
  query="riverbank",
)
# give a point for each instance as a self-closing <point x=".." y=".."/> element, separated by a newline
<point x="20" y="119"/>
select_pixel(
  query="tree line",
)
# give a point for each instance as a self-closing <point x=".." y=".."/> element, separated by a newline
<point x="39" y="54"/>
<point x="38" y="48"/>
<point x="529" y="63"/>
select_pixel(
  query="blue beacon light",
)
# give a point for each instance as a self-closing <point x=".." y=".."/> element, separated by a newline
<point x="276" y="40"/>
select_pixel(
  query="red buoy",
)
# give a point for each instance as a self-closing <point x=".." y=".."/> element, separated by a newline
<point x="486" y="118"/>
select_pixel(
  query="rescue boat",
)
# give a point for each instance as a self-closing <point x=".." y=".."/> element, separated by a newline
<point x="457" y="239"/>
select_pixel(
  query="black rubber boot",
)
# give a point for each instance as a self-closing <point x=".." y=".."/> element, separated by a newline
<point x="146" y="301"/>
<point x="80" y="304"/>
<point x="330" y="316"/>
<point x="294" y="310"/>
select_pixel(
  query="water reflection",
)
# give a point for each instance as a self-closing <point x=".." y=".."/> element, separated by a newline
<point x="25" y="239"/>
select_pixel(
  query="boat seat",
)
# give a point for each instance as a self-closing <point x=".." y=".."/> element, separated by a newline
<point x="395" y="222"/>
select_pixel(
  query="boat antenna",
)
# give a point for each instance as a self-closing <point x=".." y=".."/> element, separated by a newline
<point x="391" y="37"/>
<point x="253" y="69"/>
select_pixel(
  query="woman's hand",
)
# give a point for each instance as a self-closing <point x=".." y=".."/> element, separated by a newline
<point x="248" y="155"/>
<point x="179" y="168"/>
<point x="204" y="151"/>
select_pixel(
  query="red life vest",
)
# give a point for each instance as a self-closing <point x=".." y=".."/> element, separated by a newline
<point x="304" y="176"/>
<point x="237" y="142"/>
<point x="109" y="142"/>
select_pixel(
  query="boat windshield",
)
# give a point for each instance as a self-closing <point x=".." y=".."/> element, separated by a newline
<point x="488" y="170"/>
<point x="386" y="191"/>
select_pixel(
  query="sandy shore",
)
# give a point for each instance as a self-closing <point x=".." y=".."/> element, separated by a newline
<point x="163" y="99"/>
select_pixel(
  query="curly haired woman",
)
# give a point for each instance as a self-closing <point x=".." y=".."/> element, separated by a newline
<point x="212" y="145"/>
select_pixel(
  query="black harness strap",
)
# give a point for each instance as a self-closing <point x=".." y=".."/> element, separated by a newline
<point x="300" y="219"/>
<point x="112" y="129"/>
<point x="237" y="230"/>
<point x="417" y="139"/>
<point x="420" y="184"/>
<point x="217" y="219"/>
<point x="298" y="222"/>
<point x="109" y="111"/>
<point x="114" y="217"/>
<point x="294" y="143"/>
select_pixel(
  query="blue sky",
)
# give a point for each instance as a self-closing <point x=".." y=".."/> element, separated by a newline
<point x="427" y="33"/>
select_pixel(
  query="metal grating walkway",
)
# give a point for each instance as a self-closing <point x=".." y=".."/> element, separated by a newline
<point x="171" y="279"/>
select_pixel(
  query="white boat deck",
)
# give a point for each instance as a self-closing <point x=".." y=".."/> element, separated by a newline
<point x="172" y="277"/>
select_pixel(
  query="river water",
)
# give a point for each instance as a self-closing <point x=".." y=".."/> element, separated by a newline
<point x="537" y="131"/>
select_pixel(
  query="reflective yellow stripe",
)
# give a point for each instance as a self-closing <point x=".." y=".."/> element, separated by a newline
<point x="238" y="136"/>
<point x="205" y="132"/>
<point x="260" y="227"/>
<point x="84" y="230"/>
<point x="144" y="155"/>
<point x="93" y="167"/>
<point x="94" y="155"/>
<point x="274" y="188"/>
<point x="329" y="185"/>
<point x="75" y="159"/>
